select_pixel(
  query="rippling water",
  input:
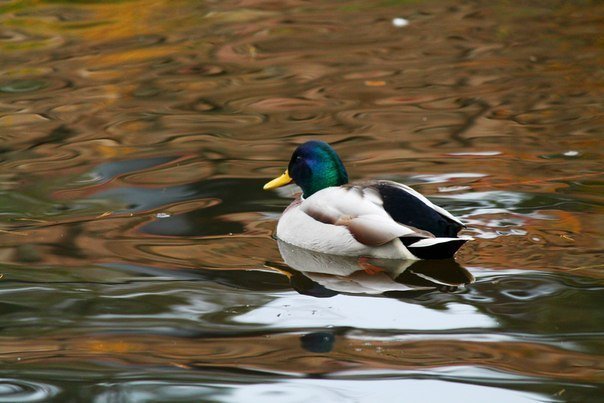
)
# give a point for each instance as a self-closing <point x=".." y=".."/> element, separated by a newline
<point x="136" y="248"/>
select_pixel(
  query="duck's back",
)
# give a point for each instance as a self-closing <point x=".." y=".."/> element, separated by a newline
<point x="410" y="208"/>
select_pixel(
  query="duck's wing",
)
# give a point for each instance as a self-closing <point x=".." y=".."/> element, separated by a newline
<point x="409" y="207"/>
<point x="360" y="209"/>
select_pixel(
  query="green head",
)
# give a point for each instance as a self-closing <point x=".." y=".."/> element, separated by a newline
<point x="313" y="166"/>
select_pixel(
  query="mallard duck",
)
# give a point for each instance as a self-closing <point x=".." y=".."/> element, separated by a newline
<point x="377" y="218"/>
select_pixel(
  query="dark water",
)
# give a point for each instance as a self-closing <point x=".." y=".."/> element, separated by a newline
<point x="136" y="248"/>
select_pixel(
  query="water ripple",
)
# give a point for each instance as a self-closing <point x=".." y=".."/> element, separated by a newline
<point x="19" y="390"/>
<point x="136" y="248"/>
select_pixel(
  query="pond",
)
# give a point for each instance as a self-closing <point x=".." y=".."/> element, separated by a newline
<point x="137" y="254"/>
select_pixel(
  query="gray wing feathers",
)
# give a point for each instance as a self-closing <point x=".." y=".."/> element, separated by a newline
<point x="360" y="211"/>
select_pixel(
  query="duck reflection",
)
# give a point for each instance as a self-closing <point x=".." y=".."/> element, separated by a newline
<point x="323" y="275"/>
<point x="318" y="342"/>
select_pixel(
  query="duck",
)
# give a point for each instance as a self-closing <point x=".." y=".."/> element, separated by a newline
<point x="373" y="218"/>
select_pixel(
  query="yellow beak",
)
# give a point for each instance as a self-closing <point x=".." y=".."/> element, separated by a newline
<point x="278" y="182"/>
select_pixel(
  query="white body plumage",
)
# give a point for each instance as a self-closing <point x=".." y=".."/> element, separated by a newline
<point x="351" y="220"/>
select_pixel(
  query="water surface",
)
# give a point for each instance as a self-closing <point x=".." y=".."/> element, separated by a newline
<point x="136" y="248"/>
